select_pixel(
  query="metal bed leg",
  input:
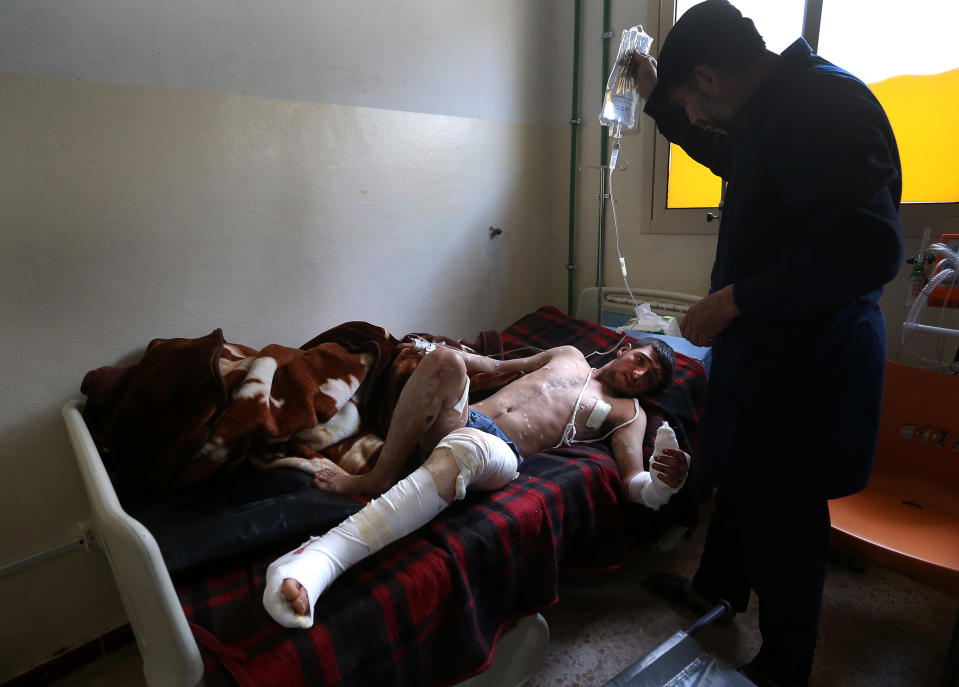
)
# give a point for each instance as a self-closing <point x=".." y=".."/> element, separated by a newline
<point x="950" y="674"/>
<point x="721" y="609"/>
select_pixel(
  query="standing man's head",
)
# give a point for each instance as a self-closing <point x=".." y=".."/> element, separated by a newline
<point x="711" y="61"/>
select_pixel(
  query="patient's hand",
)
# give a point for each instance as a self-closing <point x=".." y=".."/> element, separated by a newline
<point x="709" y="316"/>
<point x="672" y="466"/>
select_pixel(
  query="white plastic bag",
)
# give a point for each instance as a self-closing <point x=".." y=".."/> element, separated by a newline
<point x="648" y="321"/>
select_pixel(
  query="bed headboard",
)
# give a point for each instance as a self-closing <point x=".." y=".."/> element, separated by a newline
<point x="616" y="305"/>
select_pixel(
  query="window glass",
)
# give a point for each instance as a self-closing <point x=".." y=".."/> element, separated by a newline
<point x="910" y="61"/>
<point x="779" y="23"/>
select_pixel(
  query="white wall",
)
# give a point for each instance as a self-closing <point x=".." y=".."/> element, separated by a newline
<point x="669" y="262"/>
<point x="269" y="168"/>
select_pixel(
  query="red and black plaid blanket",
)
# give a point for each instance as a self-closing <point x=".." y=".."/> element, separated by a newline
<point x="428" y="609"/>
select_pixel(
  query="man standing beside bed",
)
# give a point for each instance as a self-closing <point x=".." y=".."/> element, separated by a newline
<point x="557" y="400"/>
<point x="809" y="235"/>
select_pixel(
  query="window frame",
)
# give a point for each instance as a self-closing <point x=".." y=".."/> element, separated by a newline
<point x="914" y="216"/>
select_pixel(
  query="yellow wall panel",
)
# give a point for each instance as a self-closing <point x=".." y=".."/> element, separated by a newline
<point x="922" y="110"/>
<point x="690" y="184"/>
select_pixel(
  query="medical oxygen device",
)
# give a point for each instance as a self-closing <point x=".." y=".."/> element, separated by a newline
<point x="620" y="114"/>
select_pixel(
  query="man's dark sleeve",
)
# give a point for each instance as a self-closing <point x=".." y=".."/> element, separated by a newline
<point x="841" y="184"/>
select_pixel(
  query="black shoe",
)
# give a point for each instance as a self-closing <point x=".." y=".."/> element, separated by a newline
<point x="676" y="590"/>
<point x="759" y="677"/>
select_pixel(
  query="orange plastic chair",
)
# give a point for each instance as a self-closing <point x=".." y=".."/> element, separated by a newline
<point x="907" y="519"/>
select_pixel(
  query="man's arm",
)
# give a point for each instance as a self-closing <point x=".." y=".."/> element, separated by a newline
<point x="627" y="445"/>
<point x="670" y="466"/>
<point x="479" y="363"/>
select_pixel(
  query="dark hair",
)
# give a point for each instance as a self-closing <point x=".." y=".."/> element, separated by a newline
<point x="665" y="357"/>
<point x="712" y="32"/>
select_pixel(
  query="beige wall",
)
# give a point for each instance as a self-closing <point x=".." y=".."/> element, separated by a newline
<point x="269" y="168"/>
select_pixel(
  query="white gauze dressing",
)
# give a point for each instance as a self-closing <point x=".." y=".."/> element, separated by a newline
<point x="410" y="504"/>
<point x="600" y="411"/>
<point x="648" y="488"/>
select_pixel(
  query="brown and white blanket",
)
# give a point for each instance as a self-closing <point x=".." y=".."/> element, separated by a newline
<point x="191" y="408"/>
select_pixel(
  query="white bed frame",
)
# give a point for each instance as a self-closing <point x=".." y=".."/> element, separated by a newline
<point x="171" y="657"/>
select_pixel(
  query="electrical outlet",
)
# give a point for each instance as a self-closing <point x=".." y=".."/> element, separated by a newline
<point x="87" y="535"/>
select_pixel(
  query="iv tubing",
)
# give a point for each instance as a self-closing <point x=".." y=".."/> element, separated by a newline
<point x="417" y="345"/>
<point x="612" y="204"/>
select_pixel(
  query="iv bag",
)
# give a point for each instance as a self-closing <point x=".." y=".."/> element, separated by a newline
<point x="621" y="101"/>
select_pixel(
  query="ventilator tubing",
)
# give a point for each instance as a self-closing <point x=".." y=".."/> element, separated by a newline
<point x="945" y="269"/>
<point x="485" y="461"/>
<point x="406" y="507"/>
<point x="648" y="488"/>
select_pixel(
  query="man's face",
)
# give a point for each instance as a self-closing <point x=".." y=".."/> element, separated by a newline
<point x="635" y="371"/>
<point x="702" y="109"/>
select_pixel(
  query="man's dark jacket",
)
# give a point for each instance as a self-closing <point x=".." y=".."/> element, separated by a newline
<point x="809" y="234"/>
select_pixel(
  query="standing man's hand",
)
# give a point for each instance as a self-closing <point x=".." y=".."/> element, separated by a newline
<point x="708" y="317"/>
<point x="642" y="68"/>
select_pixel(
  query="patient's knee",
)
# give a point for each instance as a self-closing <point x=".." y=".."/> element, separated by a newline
<point x="483" y="461"/>
<point x="443" y="365"/>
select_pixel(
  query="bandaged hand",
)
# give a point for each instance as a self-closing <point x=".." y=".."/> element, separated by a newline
<point x="667" y="473"/>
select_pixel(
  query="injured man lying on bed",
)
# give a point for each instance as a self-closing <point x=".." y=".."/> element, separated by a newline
<point x="558" y="399"/>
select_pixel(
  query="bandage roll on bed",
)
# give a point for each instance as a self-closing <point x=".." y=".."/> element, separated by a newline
<point x="485" y="462"/>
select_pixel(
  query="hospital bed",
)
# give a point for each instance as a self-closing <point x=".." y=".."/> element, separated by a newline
<point x="455" y="602"/>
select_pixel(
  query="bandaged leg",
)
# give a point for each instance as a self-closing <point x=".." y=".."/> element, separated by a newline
<point x="485" y="461"/>
<point x="409" y="505"/>
<point x="648" y="488"/>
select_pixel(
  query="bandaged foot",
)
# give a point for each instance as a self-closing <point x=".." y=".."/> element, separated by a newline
<point x="409" y="505"/>
<point x="648" y="488"/>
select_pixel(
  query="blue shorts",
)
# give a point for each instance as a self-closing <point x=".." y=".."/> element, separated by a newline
<point x="483" y="423"/>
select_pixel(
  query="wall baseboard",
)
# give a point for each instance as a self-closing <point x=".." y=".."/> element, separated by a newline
<point x="74" y="659"/>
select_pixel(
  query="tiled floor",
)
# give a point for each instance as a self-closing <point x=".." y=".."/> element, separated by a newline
<point x="878" y="629"/>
